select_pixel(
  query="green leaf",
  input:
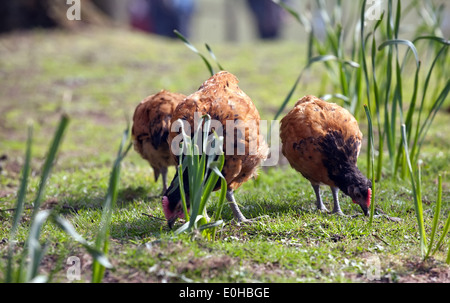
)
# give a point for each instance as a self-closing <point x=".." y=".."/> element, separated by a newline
<point x="372" y="160"/>
<point x="182" y="193"/>
<point x="416" y="189"/>
<point x="68" y="228"/>
<point x="211" y="225"/>
<point x="437" y="212"/>
<point x="51" y="156"/>
<point x="192" y="48"/>
<point x="419" y="126"/>
<point x="203" y="174"/>
<point x="35" y="250"/>
<point x="433" y="38"/>
<point x="298" y="16"/>
<point x="404" y="42"/>
<point x="337" y="96"/>
<point x="323" y="58"/>
<point x="213" y="56"/>
<point x="19" y="205"/>
<point x="186" y="226"/>
<point x="102" y="238"/>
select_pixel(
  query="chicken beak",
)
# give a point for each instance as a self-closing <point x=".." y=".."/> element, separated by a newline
<point x="365" y="210"/>
<point x="171" y="222"/>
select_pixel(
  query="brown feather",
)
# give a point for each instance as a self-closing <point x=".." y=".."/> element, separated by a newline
<point x="223" y="100"/>
<point x="151" y="127"/>
<point x="303" y="129"/>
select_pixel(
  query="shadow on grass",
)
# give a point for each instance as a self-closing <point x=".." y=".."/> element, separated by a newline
<point x="140" y="227"/>
<point x="71" y="203"/>
<point x="131" y="194"/>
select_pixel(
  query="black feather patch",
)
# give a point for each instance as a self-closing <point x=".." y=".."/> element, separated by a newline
<point x="340" y="158"/>
<point x="338" y="150"/>
<point x="158" y="135"/>
<point x="301" y="146"/>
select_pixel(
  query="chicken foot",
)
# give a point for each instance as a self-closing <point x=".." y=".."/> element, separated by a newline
<point x="238" y="216"/>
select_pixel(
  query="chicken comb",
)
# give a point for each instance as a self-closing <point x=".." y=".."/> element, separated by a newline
<point x="369" y="196"/>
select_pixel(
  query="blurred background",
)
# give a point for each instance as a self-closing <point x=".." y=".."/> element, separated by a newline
<point x="98" y="68"/>
<point x="200" y="20"/>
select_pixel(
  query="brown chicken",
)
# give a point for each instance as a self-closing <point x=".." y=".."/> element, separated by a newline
<point x="225" y="102"/>
<point x="322" y="141"/>
<point x="151" y="127"/>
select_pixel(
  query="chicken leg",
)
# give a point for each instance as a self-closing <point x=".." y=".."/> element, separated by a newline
<point x="336" y="208"/>
<point x="319" y="202"/>
<point x="238" y="216"/>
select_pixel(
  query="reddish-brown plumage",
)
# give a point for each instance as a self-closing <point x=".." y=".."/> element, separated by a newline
<point x="223" y="100"/>
<point x="151" y="127"/>
<point x="322" y="141"/>
<point x="303" y="128"/>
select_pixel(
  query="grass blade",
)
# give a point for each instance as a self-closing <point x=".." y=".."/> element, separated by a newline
<point x="376" y="93"/>
<point x="182" y="193"/>
<point x="433" y="38"/>
<point x="447" y="223"/>
<point x="102" y="241"/>
<point x="444" y="233"/>
<point x="299" y="17"/>
<point x="51" y="156"/>
<point x="324" y="58"/>
<point x="416" y="193"/>
<point x="211" y="225"/>
<point x="302" y="20"/>
<point x="404" y="42"/>
<point x="289" y="96"/>
<point x="432" y="113"/>
<point x="68" y="228"/>
<point x="185" y="226"/>
<point x="35" y="250"/>
<point x="215" y="168"/>
<point x="414" y="151"/>
<point x="371" y="151"/>
<point x="213" y="56"/>
<point x="409" y="116"/>
<point x="19" y="205"/>
<point x="192" y="48"/>
<point x="203" y="174"/>
<point x="222" y="197"/>
<point x="437" y="213"/>
<point x="448" y="256"/>
<point x="23" y="184"/>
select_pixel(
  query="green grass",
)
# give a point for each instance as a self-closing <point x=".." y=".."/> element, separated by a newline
<point x="107" y="79"/>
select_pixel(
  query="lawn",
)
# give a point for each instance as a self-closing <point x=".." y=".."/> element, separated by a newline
<point x="99" y="76"/>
